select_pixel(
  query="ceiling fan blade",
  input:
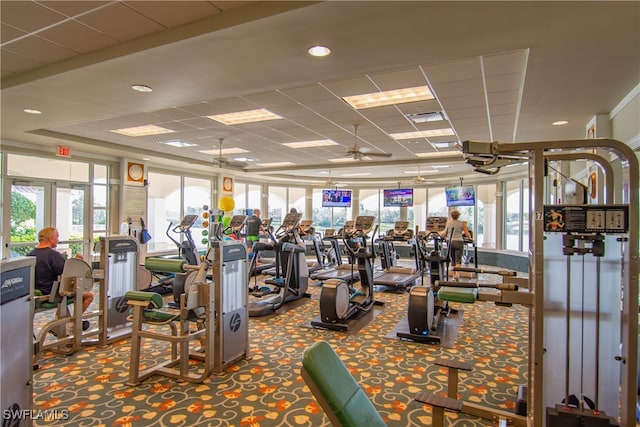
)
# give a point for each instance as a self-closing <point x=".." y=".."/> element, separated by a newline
<point x="376" y="154"/>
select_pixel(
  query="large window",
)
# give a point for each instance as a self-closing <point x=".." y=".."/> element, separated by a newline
<point x="164" y="210"/>
<point x="516" y="215"/>
<point x="324" y="218"/>
<point x="197" y="194"/>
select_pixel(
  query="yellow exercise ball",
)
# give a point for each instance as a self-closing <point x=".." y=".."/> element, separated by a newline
<point x="226" y="203"/>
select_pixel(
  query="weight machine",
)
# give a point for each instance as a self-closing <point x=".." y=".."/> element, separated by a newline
<point x="583" y="257"/>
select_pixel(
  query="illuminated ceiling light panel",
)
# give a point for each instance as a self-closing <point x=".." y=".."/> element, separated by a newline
<point x="249" y="116"/>
<point x="275" y="164"/>
<point x="343" y="160"/>
<point x="310" y="144"/>
<point x="179" y="144"/>
<point x="244" y="159"/>
<point x="422" y="134"/>
<point x="560" y="123"/>
<point x="435" y="154"/>
<point x="420" y="172"/>
<point x="32" y="111"/>
<point x="351" y="175"/>
<point x="225" y="151"/>
<point x="389" y="97"/>
<point x="440" y="166"/>
<point x="145" y="130"/>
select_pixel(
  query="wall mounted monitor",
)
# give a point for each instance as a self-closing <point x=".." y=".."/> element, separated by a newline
<point x="336" y="198"/>
<point x="463" y="195"/>
<point x="401" y="197"/>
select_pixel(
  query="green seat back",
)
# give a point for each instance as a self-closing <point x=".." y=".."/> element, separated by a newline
<point x="337" y="388"/>
<point x="154" y="299"/>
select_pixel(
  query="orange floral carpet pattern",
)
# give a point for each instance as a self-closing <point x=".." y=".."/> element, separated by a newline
<point x="267" y="390"/>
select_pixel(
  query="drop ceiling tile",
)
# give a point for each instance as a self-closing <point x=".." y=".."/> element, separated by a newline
<point x="40" y="49"/>
<point x="505" y="63"/>
<point x="28" y="15"/>
<point x="7" y="33"/>
<point x="504" y="82"/>
<point x="459" y="88"/>
<point x="173" y="13"/>
<point x="331" y="105"/>
<point x="77" y="37"/>
<point x="465" y="69"/>
<point x="174" y="114"/>
<point x="411" y="77"/>
<point x="119" y="22"/>
<point x="501" y="109"/>
<point x="503" y="97"/>
<point x="269" y="99"/>
<point x="353" y="86"/>
<point x="74" y="8"/>
<point x="303" y="94"/>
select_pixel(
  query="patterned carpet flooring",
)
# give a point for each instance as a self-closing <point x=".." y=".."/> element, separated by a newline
<point x="267" y="390"/>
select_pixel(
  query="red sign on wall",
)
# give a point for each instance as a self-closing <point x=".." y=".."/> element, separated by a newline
<point x="63" y="151"/>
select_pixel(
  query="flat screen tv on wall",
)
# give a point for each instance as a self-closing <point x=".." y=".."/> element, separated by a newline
<point x="401" y="197"/>
<point x="463" y="195"/>
<point x="336" y="198"/>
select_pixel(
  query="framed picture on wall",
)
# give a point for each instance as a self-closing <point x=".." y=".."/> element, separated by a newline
<point x="135" y="173"/>
<point x="227" y="184"/>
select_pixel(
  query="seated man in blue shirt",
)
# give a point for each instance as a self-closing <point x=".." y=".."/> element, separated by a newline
<point x="49" y="266"/>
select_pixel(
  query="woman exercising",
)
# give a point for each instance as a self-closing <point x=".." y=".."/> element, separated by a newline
<point x="456" y="229"/>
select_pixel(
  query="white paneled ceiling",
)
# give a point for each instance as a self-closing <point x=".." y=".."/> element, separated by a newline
<point x="499" y="71"/>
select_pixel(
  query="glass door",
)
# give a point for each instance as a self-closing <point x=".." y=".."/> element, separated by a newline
<point x="35" y="205"/>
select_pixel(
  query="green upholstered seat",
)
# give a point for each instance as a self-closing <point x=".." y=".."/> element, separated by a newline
<point x="155" y="301"/>
<point x="453" y="294"/>
<point x="342" y="398"/>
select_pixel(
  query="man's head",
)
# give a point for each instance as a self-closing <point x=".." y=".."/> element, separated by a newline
<point x="256" y="212"/>
<point x="49" y="235"/>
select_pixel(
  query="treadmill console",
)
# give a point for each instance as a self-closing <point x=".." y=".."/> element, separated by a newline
<point x="290" y="220"/>
<point x="305" y="225"/>
<point x="349" y="227"/>
<point x="266" y="223"/>
<point x="237" y="221"/>
<point x="364" y="223"/>
<point x="436" y="223"/>
<point x="401" y="227"/>
<point x="187" y="222"/>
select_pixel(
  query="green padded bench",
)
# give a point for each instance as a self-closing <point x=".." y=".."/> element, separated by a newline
<point x="340" y="396"/>
<point x="462" y="295"/>
<point x="151" y="302"/>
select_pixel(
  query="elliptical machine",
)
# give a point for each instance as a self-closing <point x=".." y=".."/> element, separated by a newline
<point x="423" y="314"/>
<point x="290" y="254"/>
<point x="338" y="301"/>
<point x="187" y="248"/>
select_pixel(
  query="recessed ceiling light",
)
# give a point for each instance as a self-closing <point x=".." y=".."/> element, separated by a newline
<point x="422" y="134"/>
<point x="244" y="159"/>
<point x="345" y="160"/>
<point x="248" y="116"/>
<point x="178" y="143"/>
<point x="389" y="97"/>
<point x="142" y="130"/>
<point x="141" y="88"/>
<point x="440" y="166"/>
<point x="310" y="144"/>
<point x="146" y="158"/>
<point x="32" y="111"/>
<point x="225" y="151"/>
<point x="560" y="123"/>
<point x="319" y="51"/>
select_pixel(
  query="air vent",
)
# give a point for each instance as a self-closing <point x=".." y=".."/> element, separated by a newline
<point x="433" y="116"/>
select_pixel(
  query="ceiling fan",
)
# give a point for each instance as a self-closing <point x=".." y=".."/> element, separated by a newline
<point x="419" y="179"/>
<point x="359" y="152"/>
<point x="331" y="183"/>
<point x="222" y="162"/>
